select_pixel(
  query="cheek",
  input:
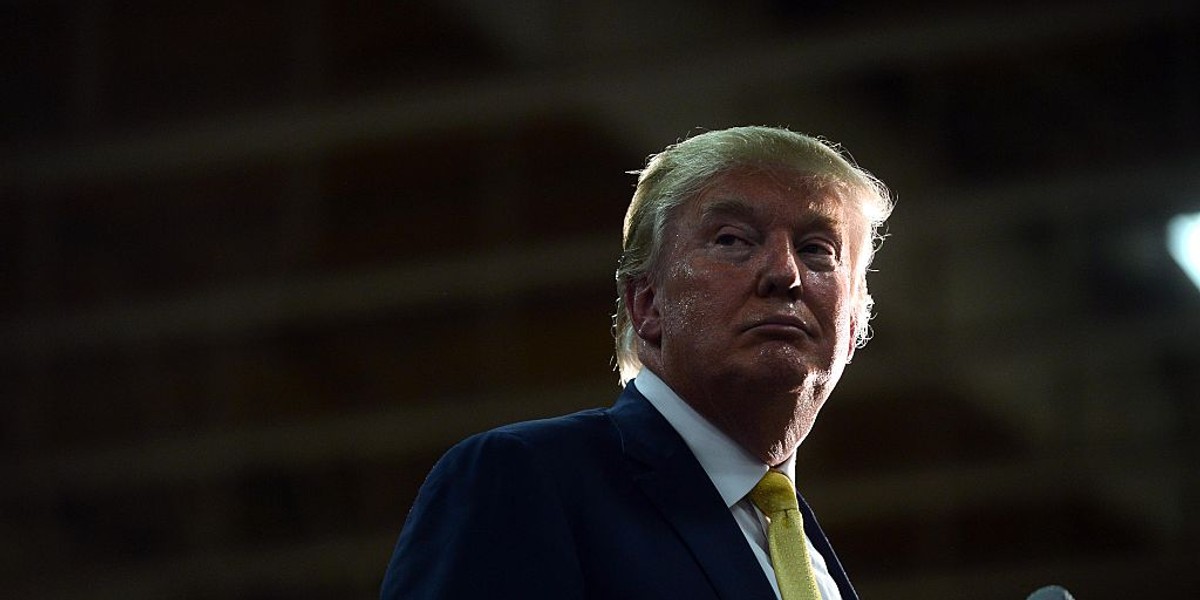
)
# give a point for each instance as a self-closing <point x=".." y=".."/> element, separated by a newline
<point x="845" y="322"/>
<point x="693" y="305"/>
<point x="831" y="298"/>
<point x="687" y="312"/>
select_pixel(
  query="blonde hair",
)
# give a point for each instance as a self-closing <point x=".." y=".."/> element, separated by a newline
<point x="681" y="171"/>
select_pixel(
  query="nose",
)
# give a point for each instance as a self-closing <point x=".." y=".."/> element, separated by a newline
<point x="780" y="271"/>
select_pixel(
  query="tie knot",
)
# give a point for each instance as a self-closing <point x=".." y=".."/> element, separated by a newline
<point x="774" y="493"/>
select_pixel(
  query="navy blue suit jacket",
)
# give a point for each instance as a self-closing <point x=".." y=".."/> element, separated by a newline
<point x="598" y="504"/>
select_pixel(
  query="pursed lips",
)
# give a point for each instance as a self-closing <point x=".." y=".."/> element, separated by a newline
<point x="781" y="324"/>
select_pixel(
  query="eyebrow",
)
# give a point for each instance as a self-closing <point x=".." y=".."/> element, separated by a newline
<point x="819" y="214"/>
<point x="728" y="208"/>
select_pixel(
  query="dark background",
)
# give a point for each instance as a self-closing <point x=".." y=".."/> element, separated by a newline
<point x="263" y="261"/>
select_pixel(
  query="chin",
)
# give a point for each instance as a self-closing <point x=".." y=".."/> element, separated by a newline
<point x="779" y="376"/>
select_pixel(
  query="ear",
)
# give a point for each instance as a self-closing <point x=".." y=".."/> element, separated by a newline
<point x="640" y="300"/>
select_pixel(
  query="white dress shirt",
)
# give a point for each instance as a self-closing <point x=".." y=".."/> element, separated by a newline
<point x="733" y="471"/>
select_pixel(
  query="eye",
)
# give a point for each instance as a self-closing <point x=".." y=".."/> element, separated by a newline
<point x="819" y="248"/>
<point x="731" y="237"/>
<point x="728" y="239"/>
<point x="819" y="254"/>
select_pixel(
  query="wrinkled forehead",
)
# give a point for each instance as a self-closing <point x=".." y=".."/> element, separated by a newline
<point x="817" y="196"/>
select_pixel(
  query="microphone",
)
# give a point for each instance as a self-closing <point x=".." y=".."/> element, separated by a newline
<point x="1051" y="592"/>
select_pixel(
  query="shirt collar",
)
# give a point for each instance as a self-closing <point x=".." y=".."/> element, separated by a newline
<point x="732" y="469"/>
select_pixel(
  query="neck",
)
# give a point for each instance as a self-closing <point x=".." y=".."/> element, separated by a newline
<point x="769" y="424"/>
<point x="768" y="418"/>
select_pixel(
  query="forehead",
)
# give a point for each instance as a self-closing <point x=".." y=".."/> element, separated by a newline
<point x="773" y="195"/>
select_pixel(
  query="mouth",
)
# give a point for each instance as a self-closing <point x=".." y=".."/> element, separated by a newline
<point x="781" y="326"/>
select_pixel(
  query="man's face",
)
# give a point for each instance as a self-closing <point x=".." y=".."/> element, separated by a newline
<point x="748" y="315"/>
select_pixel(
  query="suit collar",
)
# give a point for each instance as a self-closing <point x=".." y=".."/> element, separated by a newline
<point x="675" y="482"/>
<point x="671" y="477"/>
<point x="732" y="469"/>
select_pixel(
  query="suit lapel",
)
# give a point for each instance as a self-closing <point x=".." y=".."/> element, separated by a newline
<point x="813" y="530"/>
<point x="674" y="481"/>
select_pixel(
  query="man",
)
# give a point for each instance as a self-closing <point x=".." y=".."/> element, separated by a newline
<point x="742" y="295"/>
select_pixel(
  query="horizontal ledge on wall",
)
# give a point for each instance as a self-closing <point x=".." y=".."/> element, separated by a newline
<point x="242" y="309"/>
<point x="308" y="130"/>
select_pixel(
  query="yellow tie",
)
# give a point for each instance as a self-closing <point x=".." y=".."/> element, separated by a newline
<point x="776" y="497"/>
